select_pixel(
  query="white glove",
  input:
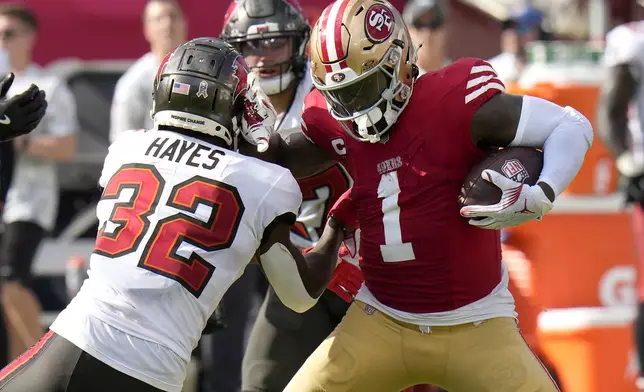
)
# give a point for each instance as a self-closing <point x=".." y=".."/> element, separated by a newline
<point x="519" y="203"/>
<point x="629" y="165"/>
<point x="258" y="121"/>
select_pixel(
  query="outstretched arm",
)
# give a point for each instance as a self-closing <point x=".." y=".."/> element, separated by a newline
<point x="298" y="279"/>
<point x="301" y="156"/>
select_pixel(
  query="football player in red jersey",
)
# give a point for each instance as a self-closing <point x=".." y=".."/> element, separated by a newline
<point x="435" y="307"/>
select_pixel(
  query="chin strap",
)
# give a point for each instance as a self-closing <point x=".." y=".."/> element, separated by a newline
<point x="277" y="84"/>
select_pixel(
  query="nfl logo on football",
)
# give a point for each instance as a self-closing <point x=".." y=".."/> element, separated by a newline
<point x="514" y="170"/>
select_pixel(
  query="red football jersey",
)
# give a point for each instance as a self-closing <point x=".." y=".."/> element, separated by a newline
<point x="323" y="188"/>
<point x="417" y="253"/>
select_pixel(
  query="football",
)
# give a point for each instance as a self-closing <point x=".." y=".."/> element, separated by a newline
<point x="521" y="164"/>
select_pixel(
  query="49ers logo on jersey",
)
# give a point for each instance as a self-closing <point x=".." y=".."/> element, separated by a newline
<point x="378" y="23"/>
<point x="514" y="170"/>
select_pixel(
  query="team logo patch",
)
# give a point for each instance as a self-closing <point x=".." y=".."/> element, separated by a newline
<point x="240" y="74"/>
<point x="514" y="170"/>
<point x="203" y="89"/>
<point x="405" y="92"/>
<point x="338" y="77"/>
<point x="379" y="23"/>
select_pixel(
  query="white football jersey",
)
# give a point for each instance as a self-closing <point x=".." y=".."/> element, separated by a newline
<point x="625" y="45"/>
<point x="179" y="220"/>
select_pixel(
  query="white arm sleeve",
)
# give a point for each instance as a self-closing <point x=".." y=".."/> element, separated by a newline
<point x="278" y="264"/>
<point x="282" y="273"/>
<point x="564" y="134"/>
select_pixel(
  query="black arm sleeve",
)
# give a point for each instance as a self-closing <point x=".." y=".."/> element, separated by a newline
<point x="7" y="163"/>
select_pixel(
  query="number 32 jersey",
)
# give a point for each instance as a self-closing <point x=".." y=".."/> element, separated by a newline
<point x="179" y="220"/>
<point x="417" y="254"/>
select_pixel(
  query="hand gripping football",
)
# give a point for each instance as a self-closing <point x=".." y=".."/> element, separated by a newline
<point x="521" y="164"/>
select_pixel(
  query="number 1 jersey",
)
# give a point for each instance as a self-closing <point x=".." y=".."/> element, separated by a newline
<point x="179" y="220"/>
<point x="417" y="254"/>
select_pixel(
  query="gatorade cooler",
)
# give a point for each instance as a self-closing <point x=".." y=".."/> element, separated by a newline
<point x="592" y="348"/>
<point x="570" y="74"/>
<point x="580" y="255"/>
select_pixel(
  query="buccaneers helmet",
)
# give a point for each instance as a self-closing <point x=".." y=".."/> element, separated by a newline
<point x="363" y="63"/>
<point x="255" y="25"/>
<point x="201" y="86"/>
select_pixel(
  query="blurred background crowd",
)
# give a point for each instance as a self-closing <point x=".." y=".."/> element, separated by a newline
<point x="573" y="274"/>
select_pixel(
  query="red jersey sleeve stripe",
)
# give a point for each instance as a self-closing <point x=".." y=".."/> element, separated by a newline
<point x="483" y="89"/>
<point x="482" y="79"/>
<point x="482" y="68"/>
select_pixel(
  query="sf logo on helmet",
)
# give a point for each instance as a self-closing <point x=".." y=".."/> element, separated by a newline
<point x="379" y="23"/>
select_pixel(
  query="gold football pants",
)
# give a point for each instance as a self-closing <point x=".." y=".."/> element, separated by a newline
<point x="371" y="352"/>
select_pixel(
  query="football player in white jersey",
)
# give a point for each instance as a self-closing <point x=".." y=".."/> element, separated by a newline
<point x="622" y="130"/>
<point x="272" y="35"/>
<point x="181" y="215"/>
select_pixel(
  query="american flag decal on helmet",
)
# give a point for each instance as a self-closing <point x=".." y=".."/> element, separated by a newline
<point x="482" y="79"/>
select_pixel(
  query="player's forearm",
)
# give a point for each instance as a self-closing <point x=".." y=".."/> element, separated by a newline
<point x="617" y="91"/>
<point x="55" y="148"/>
<point x="564" y="134"/>
<point x="612" y="126"/>
<point x="287" y="272"/>
<point x="322" y="259"/>
<point x="299" y="280"/>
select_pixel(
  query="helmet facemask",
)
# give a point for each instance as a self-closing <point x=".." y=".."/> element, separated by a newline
<point x="252" y="21"/>
<point x="289" y="69"/>
<point x="368" y="105"/>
